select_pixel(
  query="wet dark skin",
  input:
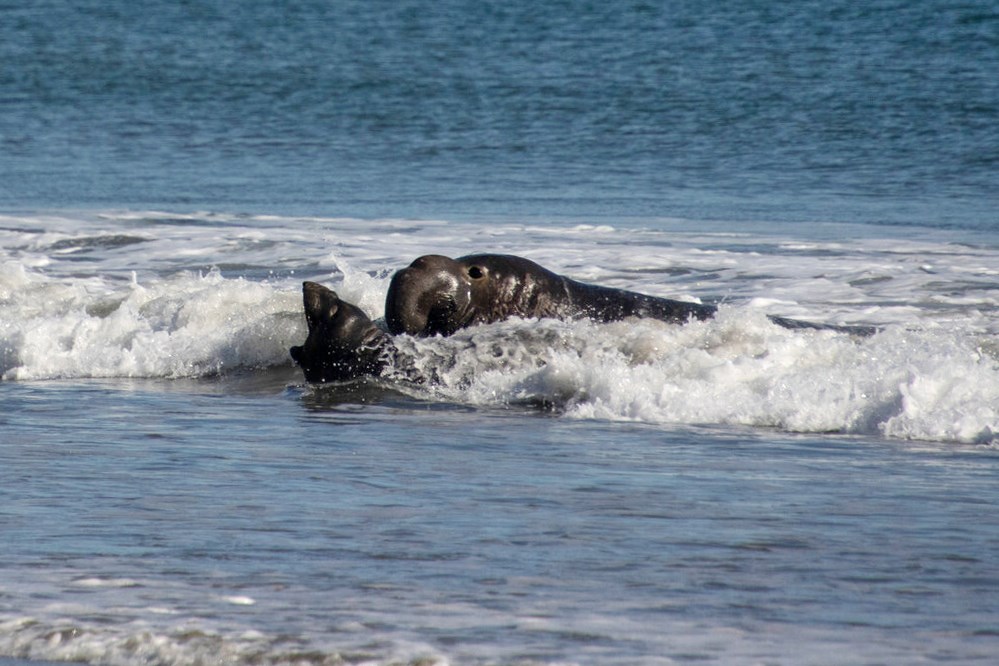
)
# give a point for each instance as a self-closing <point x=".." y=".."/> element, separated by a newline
<point x="343" y="342"/>
<point x="437" y="295"/>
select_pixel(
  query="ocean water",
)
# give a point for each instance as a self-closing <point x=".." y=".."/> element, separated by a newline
<point x="729" y="491"/>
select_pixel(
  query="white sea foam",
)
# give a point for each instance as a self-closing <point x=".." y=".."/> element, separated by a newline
<point x="364" y="644"/>
<point x="736" y="369"/>
<point x="240" y="600"/>
<point x="186" y="325"/>
<point x="105" y="582"/>
<point x="152" y="295"/>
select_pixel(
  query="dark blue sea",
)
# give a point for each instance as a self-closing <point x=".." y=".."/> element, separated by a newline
<point x="172" y="491"/>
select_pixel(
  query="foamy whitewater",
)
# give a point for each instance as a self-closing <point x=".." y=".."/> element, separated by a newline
<point x="144" y="294"/>
<point x="173" y="493"/>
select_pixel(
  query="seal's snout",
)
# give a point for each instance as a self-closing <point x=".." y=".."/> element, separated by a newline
<point x="321" y="303"/>
<point x="401" y="302"/>
<point x="437" y="295"/>
<point x="343" y="343"/>
<point x="423" y="297"/>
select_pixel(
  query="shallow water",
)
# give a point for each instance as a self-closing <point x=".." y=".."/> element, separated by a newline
<point x="724" y="491"/>
<point x="731" y="492"/>
<point x="213" y="294"/>
<point x="242" y="520"/>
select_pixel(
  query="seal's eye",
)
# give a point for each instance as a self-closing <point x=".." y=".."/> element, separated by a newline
<point x="476" y="272"/>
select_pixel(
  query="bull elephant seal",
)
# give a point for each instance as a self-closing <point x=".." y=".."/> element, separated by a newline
<point x="343" y="342"/>
<point x="439" y="295"/>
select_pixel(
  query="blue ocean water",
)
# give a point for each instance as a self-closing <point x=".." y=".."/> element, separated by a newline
<point x="172" y="492"/>
<point x="879" y="112"/>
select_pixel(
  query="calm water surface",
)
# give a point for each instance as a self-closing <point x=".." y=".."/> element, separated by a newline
<point x="883" y="112"/>
<point x="269" y="522"/>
